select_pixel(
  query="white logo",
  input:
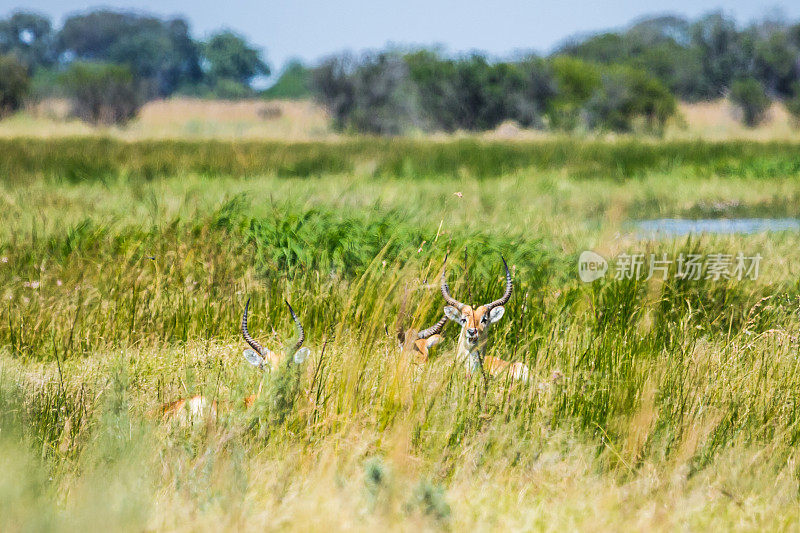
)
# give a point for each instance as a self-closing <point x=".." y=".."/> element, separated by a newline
<point x="591" y="266"/>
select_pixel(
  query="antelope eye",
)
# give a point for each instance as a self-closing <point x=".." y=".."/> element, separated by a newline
<point x="484" y="319"/>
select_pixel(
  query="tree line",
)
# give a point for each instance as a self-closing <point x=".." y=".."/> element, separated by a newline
<point x="391" y="92"/>
<point x="619" y="81"/>
<point x="109" y="62"/>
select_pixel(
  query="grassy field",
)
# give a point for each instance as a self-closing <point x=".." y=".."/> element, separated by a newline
<point x="303" y="120"/>
<point x="653" y="405"/>
<point x="184" y="118"/>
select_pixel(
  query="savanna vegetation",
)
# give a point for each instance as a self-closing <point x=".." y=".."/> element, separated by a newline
<point x="624" y="80"/>
<point x="124" y="269"/>
<point x="618" y="81"/>
<point x="159" y="57"/>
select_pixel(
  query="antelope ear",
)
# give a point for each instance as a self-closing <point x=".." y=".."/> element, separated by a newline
<point x="301" y="355"/>
<point x="253" y="358"/>
<point x="454" y="315"/>
<point x="496" y="314"/>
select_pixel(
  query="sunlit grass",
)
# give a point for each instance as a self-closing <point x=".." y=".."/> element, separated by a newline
<point x="652" y="405"/>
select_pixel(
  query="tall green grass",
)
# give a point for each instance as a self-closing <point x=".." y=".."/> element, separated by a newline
<point x="81" y="159"/>
<point x="118" y="295"/>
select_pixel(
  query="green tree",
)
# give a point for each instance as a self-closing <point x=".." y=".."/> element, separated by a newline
<point x="14" y="84"/>
<point x="332" y="83"/>
<point x="723" y="52"/>
<point x="473" y="94"/>
<point x="749" y="96"/>
<point x="626" y="94"/>
<point x="102" y="93"/>
<point x="576" y="82"/>
<point x="160" y="53"/>
<point x="229" y="57"/>
<point x="29" y="36"/>
<point x="373" y="95"/>
<point x="659" y="46"/>
<point x="539" y="89"/>
<point x="294" y="82"/>
<point x="436" y="82"/>
<point x="775" y="62"/>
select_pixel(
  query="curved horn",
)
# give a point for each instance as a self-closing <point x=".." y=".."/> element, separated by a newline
<point x="509" y="287"/>
<point x="433" y="330"/>
<point x="301" y="335"/>
<point x="253" y="344"/>
<point x="446" y="290"/>
<point x="401" y="316"/>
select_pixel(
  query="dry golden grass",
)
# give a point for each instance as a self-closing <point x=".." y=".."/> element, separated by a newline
<point x="303" y="120"/>
<point x="183" y="118"/>
<point x="191" y="117"/>
<point x="720" y="120"/>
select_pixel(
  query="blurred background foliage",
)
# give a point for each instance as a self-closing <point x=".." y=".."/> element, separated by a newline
<point x="626" y="80"/>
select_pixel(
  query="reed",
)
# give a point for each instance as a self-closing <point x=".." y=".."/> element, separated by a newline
<point x="120" y="292"/>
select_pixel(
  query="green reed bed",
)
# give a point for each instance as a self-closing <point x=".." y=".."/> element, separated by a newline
<point x="82" y="159"/>
<point x="119" y="294"/>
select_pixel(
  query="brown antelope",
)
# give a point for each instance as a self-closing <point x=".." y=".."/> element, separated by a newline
<point x="198" y="406"/>
<point x="423" y="340"/>
<point x="475" y="324"/>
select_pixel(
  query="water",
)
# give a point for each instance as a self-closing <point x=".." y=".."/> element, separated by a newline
<point x="675" y="227"/>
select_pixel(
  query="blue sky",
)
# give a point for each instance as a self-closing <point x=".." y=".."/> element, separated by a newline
<point x="314" y="28"/>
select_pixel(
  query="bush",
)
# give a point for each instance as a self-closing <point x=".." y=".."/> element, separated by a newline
<point x="374" y="95"/>
<point x="102" y="93"/>
<point x="14" y="84"/>
<point x="626" y="94"/>
<point x="474" y="94"/>
<point x="576" y="81"/>
<point x="388" y="94"/>
<point x="749" y="96"/>
<point x="294" y="83"/>
<point x="229" y="57"/>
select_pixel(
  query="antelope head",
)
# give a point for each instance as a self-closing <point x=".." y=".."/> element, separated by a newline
<point x="265" y="359"/>
<point x="424" y="339"/>
<point x="475" y="321"/>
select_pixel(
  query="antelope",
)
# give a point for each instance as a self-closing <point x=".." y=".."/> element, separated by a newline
<point x="198" y="406"/>
<point x="423" y="340"/>
<point x="475" y="324"/>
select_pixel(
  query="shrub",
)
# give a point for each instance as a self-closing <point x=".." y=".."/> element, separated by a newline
<point x="333" y="86"/>
<point x="374" y="95"/>
<point x="388" y="93"/>
<point x="626" y="94"/>
<point x="749" y="96"/>
<point x="102" y="93"/>
<point x="576" y="81"/>
<point x="294" y="83"/>
<point x="474" y="94"/>
<point x="230" y="57"/>
<point x="160" y="53"/>
<point x="14" y="84"/>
